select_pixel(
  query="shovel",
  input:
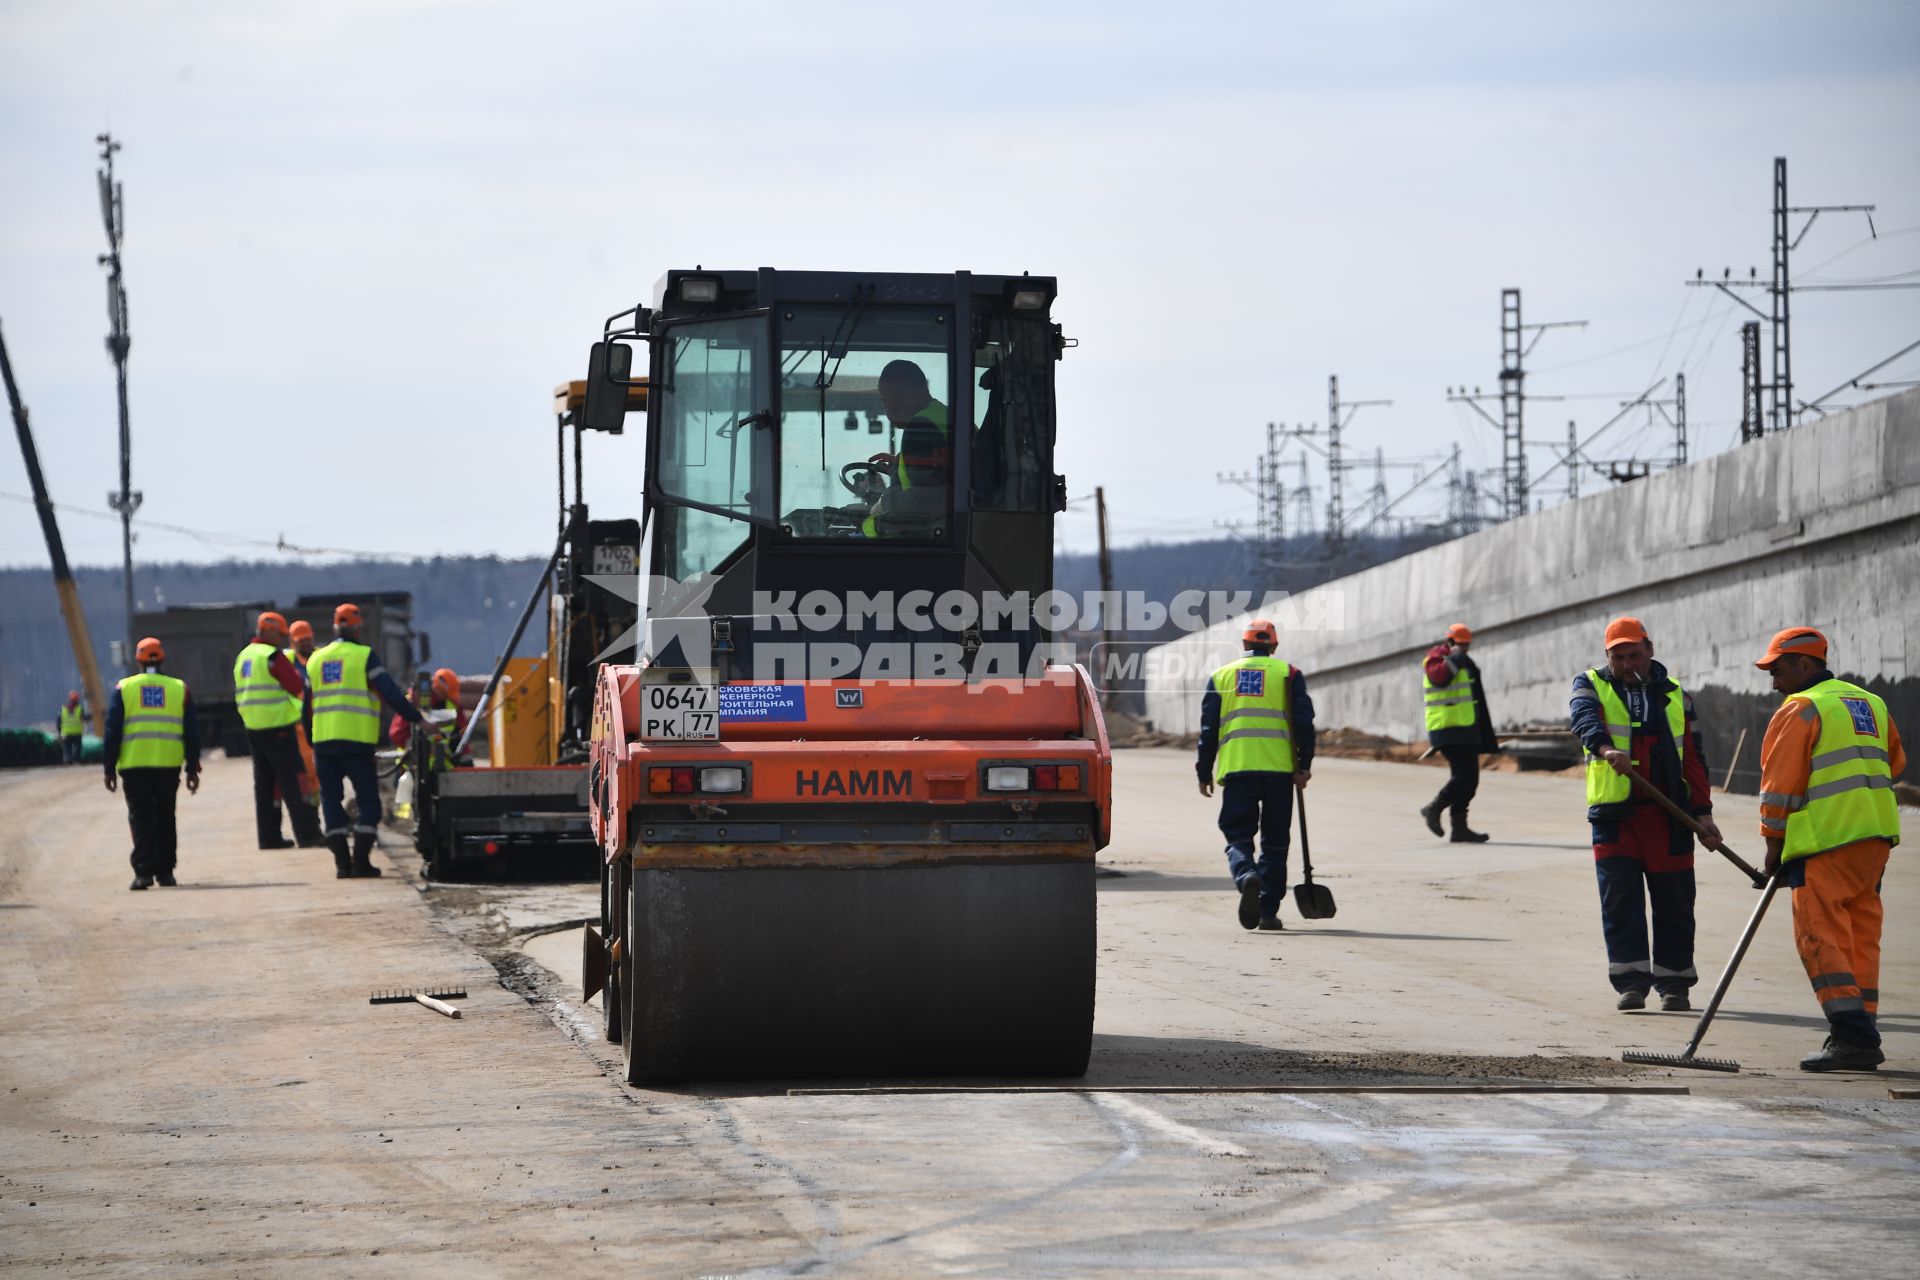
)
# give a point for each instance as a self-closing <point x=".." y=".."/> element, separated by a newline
<point x="1314" y="901"/>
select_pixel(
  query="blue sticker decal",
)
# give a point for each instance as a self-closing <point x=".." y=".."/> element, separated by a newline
<point x="1250" y="682"/>
<point x="1864" y="720"/>
<point x="332" y="672"/>
<point x="850" y="698"/>
<point x="246" y="668"/>
<point x="152" y="695"/>
<point x="763" y="703"/>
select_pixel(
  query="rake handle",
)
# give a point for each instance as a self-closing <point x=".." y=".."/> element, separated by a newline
<point x="438" y="1006"/>
<point x="1726" y="977"/>
<point x="1661" y="798"/>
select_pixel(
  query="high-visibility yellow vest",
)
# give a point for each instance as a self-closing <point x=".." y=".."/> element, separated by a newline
<point x="153" y="727"/>
<point x="345" y="709"/>
<point x="73" y="722"/>
<point x="1850" y="791"/>
<point x="934" y="414"/>
<point x="263" y="704"/>
<point x="1604" y="786"/>
<point x="1256" y="722"/>
<point x="1449" y="706"/>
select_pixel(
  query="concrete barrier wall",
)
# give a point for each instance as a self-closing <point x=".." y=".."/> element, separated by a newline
<point x="1816" y="526"/>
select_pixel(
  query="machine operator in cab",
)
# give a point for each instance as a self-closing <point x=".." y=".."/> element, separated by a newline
<point x="915" y="503"/>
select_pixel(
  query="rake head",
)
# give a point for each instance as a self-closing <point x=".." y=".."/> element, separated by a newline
<point x="406" y="995"/>
<point x="1680" y="1060"/>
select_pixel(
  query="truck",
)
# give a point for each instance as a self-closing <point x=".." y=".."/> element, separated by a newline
<point x="847" y="796"/>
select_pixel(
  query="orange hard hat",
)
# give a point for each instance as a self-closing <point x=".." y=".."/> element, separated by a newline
<point x="301" y="630"/>
<point x="346" y="615"/>
<point x="270" y="623"/>
<point x="447" y="684"/>
<point x="1625" y="631"/>
<point x="73" y="695"/>
<point x="149" y="650"/>
<point x="1801" y="640"/>
<point x="1460" y="631"/>
<point x="1260" y="631"/>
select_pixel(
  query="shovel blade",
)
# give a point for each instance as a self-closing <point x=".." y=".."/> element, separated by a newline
<point x="1313" y="901"/>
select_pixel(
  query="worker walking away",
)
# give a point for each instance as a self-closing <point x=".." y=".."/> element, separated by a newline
<point x="1256" y="743"/>
<point x="270" y="695"/>
<point x="1829" y="817"/>
<point x="73" y="728"/>
<point x="1633" y="714"/>
<point x="1459" y="727"/>
<point x="151" y="735"/>
<point x="349" y="684"/>
<point x="300" y="633"/>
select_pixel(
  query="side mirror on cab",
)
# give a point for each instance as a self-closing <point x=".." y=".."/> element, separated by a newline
<point x="609" y="368"/>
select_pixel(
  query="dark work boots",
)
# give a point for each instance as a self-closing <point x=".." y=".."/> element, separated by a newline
<point x="342" y="860"/>
<point x="1430" y="814"/>
<point x="1838" y="1055"/>
<point x="1463" y="834"/>
<point x="363" y="867"/>
<point x="1249" y="901"/>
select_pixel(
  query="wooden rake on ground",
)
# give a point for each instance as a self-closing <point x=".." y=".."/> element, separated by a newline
<point x="434" y="998"/>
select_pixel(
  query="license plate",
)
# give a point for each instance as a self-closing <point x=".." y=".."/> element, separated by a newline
<point x="679" y="713"/>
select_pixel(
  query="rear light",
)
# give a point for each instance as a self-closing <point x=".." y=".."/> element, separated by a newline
<point x="1046" y="777"/>
<point x="689" y="779"/>
<point x="491" y="846"/>
<point x="1069" y="777"/>
<point x="1007" y="777"/>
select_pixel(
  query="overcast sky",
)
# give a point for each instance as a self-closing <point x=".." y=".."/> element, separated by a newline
<point x="365" y="240"/>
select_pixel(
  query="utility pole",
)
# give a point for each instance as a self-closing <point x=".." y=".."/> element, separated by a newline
<point x="1779" y="318"/>
<point x="1679" y="419"/>
<point x="1573" y="462"/>
<point x="1752" y="424"/>
<point x="1106" y="603"/>
<point x="126" y="502"/>
<point x="1515" y="347"/>
<point x="1303" y="501"/>
<point x="1338" y="416"/>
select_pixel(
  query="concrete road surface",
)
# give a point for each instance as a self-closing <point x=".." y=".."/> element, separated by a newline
<point x="192" y="1082"/>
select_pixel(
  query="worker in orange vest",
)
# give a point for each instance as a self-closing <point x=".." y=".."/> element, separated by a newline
<point x="1830" y="821"/>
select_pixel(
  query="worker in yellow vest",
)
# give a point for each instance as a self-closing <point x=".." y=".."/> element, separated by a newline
<point x="73" y="727"/>
<point x="271" y="697"/>
<point x="1459" y="727"/>
<point x="349" y="683"/>
<point x="1830" y="821"/>
<point x="1256" y="743"/>
<point x="1629" y="712"/>
<point x="151" y="735"/>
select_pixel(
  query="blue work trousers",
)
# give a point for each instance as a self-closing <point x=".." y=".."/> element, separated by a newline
<point x="1259" y="803"/>
<point x="336" y="769"/>
<point x="1627" y="888"/>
